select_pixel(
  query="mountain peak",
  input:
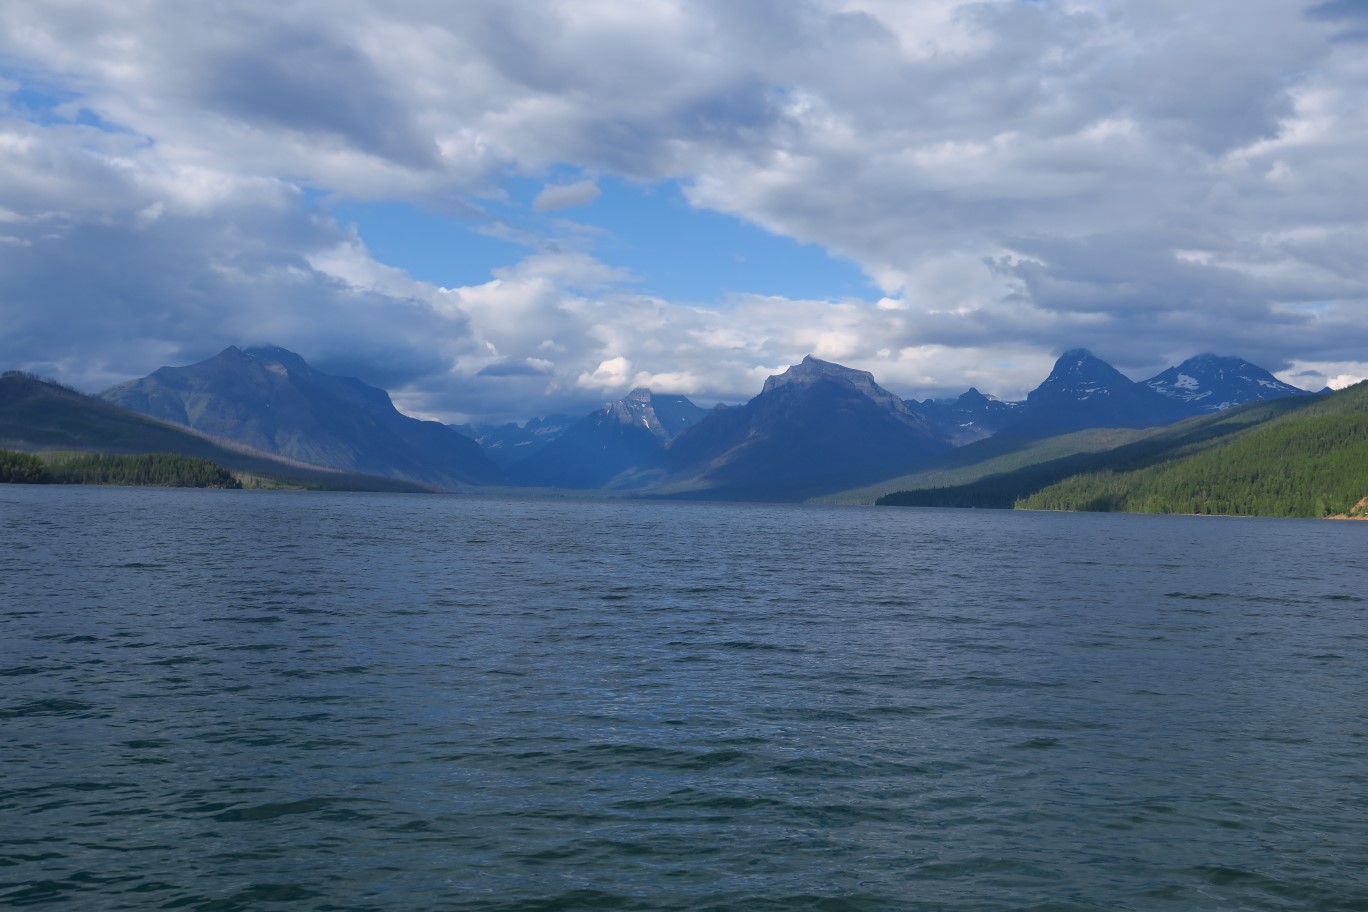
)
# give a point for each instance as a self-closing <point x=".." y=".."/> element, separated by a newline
<point x="1210" y="383"/>
<point x="814" y="370"/>
<point x="1085" y="391"/>
<point x="270" y="399"/>
<point x="274" y="354"/>
<point x="1079" y="362"/>
<point x="663" y="416"/>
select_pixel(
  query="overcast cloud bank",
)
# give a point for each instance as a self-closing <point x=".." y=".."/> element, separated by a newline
<point x="1146" y="179"/>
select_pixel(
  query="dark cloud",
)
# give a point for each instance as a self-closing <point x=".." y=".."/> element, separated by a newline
<point x="305" y="82"/>
<point x="514" y="368"/>
<point x="1339" y="9"/>
<point x="1352" y="13"/>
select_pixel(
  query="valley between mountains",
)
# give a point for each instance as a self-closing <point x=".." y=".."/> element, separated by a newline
<point x="1210" y="435"/>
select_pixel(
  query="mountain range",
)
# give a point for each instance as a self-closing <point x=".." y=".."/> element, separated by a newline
<point x="815" y="428"/>
<point x="38" y="416"/>
<point x="1293" y="456"/>
<point x="620" y="437"/>
<point x="271" y="400"/>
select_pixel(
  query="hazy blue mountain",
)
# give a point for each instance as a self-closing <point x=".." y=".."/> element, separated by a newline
<point x="37" y="415"/>
<point x="270" y="399"/>
<point x="506" y="444"/>
<point x="973" y="416"/>
<point x="1083" y="391"/>
<point x="816" y="427"/>
<point x="623" y="435"/>
<point x="1209" y="383"/>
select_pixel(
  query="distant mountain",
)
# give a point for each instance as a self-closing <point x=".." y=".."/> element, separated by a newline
<point x="1307" y="458"/>
<point x="1208" y="383"/>
<point x="973" y="416"/>
<point x="1042" y="463"/>
<point x="37" y="415"/>
<point x="270" y="399"/>
<point x="1083" y="391"/>
<point x="623" y="435"/>
<point x="506" y="444"/>
<point x="817" y="427"/>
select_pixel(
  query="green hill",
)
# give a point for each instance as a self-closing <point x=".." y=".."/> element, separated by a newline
<point x="1310" y="462"/>
<point x="1184" y="439"/>
<point x="38" y="416"/>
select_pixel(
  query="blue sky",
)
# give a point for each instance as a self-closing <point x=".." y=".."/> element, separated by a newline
<point x="671" y="248"/>
<point x="504" y="210"/>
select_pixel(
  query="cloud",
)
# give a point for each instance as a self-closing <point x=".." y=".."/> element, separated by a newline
<point x="1148" y="178"/>
<point x="609" y="376"/>
<point x="517" y="367"/>
<point x="563" y="196"/>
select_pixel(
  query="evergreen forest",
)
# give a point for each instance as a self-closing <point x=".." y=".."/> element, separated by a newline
<point x="151" y="470"/>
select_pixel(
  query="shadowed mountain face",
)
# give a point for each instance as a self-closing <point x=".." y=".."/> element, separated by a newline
<point x="37" y="415"/>
<point x="270" y="399"/>
<point x="817" y="427"/>
<point x="1208" y="383"/>
<point x="1083" y="391"/>
<point x="973" y="416"/>
<point x="622" y="436"/>
<point x="507" y="444"/>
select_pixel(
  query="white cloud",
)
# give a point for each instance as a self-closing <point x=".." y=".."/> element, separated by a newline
<point x="610" y="375"/>
<point x="563" y="196"/>
<point x="1148" y="178"/>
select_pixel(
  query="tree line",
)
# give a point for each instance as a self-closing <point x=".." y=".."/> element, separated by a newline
<point x="152" y="470"/>
<point x="1313" y="467"/>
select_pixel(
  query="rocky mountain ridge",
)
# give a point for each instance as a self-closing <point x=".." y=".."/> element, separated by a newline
<point x="272" y="400"/>
<point x="815" y="426"/>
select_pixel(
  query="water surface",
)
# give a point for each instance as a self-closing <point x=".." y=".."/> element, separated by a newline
<point x="251" y="700"/>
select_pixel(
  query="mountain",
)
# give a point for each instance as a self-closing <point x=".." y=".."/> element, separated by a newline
<point x="37" y="415"/>
<point x="1209" y="383"/>
<point x="623" y="435"/>
<point x="815" y="428"/>
<point x="1284" y="457"/>
<point x="1311" y="460"/>
<point x="506" y="444"/>
<point x="271" y="400"/>
<point x="973" y="416"/>
<point x="1083" y="391"/>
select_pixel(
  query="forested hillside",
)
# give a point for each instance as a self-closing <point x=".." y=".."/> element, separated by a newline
<point x="153" y="469"/>
<point x="1304" y="457"/>
<point x="1312" y="466"/>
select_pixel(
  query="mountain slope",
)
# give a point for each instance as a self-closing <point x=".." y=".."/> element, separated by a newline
<point x="506" y="444"/>
<point x="816" y="428"/>
<point x="1310" y="462"/>
<point x="973" y="416"/>
<point x="1209" y="383"/>
<point x="1083" y="391"/>
<point x="1160" y="445"/>
<point x="987" y="457"/>
<point x="622" y="436"/>
<point x="271" y="400"/>
<point x="38" y="416"/>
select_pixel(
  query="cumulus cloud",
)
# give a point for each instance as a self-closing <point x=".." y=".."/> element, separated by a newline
<point x="1148" y="178"/>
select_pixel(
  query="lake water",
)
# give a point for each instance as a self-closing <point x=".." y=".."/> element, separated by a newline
<point x="216" y="700"/>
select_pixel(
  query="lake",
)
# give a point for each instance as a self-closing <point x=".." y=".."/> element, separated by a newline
<point x="219" y="700"/>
